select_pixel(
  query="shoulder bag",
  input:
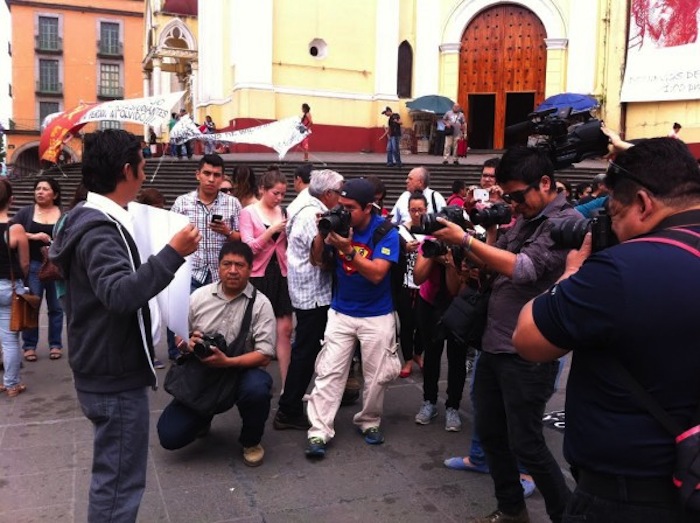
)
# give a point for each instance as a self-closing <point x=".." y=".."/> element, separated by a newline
<point x="209" y="390"/>
<point x="48" y="271"/>
<point x="24" y="308"/>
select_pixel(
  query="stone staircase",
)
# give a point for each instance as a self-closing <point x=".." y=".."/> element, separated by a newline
<point x="173" y="178"/>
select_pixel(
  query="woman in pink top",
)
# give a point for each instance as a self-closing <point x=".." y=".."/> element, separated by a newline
<point x="262" y="227"/>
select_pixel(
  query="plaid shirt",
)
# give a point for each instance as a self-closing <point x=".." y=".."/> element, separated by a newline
<point x="206" y="258"/>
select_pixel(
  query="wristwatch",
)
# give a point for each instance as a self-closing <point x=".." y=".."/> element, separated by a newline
<point x="350" y="256"/>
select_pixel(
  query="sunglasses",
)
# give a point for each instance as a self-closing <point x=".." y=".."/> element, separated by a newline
<point x="519" y="196"/>
<point x="616" y="170"/>
<point x="225" y="190"/>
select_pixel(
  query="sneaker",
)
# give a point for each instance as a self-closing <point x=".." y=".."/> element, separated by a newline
<point x="157" y="364"/>
<point x="316" y="448"/>
<point x="282" y="422"/>
<point x="456" y="162"/>
<point x="253" y="456"/>
<point x="426" y="413"/>
<point x="444" y="162"/>
<point x="453" y="423"/>
<point x="373" y="436"/>
<point x="499" y="517"/>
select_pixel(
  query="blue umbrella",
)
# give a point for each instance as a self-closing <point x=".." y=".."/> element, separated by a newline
<point x="432" y="103"/>
<point x="577" y="102"/>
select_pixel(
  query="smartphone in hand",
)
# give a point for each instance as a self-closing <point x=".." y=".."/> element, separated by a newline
<point x="216" y="217"/>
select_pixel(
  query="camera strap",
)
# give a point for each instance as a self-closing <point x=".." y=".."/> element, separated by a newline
<point x="237" y="347"/>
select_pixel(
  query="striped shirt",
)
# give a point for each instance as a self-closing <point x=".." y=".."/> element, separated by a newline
<point x="205" y="259"/>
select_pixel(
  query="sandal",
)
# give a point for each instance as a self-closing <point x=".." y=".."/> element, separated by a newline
<point x="15" y="390"/>
<point x="55" y="353"/>
<point x="30" y="355"/>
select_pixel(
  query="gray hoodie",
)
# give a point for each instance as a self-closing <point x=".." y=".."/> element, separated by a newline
<point x="106" y="300"/>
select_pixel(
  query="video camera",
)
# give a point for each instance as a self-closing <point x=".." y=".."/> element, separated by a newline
<point x="567" y="137"/>
<point x="569" y="232"/>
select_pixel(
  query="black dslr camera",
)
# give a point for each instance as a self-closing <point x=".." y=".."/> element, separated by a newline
<point x="203" y="348"/>
<point x="496" y="214"/>
<point x="451" y="213"/>
<point x="335" y="220"/>
<point x="569" y="232"/>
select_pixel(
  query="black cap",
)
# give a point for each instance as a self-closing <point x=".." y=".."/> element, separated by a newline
<point x="387" y="110"/>
<point x="359" y="189"/>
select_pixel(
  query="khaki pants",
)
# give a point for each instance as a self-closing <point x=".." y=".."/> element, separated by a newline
<point x="450" y="147"/>
<point x="380" y="365"/>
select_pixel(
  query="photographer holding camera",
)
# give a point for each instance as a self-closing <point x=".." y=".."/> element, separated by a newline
<point x="217" y="312"/>
<point x="361" y="310"/>
<point x="629" y="311"/>
<point x="511" y="393"/>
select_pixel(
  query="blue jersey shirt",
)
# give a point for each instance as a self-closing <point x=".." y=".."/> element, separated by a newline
<point x="355" y="295"/>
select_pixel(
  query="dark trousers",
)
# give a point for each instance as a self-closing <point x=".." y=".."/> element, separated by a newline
<point x="586" y="507"/>
<point x="434" y="337"/>
<point x="409" y="334"/>
<point x="179" y="425"/>
<point x="311" y="324"/>
<point x="120" y="453"/>
<point x="511" y="395"/>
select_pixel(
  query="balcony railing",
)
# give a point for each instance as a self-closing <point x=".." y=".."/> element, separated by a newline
<point x="110" y="49"/>
<point x="49" y="88"/>
<point x="48" y="44"/>
<point x="109" y="92"/>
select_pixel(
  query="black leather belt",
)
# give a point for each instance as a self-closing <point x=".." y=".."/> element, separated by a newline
<point x="644" y="491"/>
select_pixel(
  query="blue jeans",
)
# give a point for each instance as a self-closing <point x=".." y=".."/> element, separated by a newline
<point x="30" y="337"/>
<point x="10" y="340"/>
<point x="120" y="453"/>
<point x="393" y="154"/>
<point x="179" y="425"/>
<point x="511" y="395"/>
<point x="173" y="353"/>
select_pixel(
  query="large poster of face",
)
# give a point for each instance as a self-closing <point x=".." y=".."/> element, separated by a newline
<point x="663" y="53"/>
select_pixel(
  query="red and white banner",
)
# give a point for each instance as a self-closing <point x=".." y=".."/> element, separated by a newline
<point x="663" y="51"/>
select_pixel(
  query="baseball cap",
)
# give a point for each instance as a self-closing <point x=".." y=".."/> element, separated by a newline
<point x="387" y="109"/>
<point x="359" y="189"/>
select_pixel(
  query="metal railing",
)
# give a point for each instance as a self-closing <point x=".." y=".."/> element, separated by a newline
<point x="49" y="88"/>
<point x="108" y="48"/>
<point x="48" y="44"/>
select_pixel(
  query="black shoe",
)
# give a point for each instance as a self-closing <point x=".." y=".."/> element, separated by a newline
<point x="282" y="422"/>
<point x="390" y="164"/>
<point x="444" y="162"/>
<point x="456" y="162"/>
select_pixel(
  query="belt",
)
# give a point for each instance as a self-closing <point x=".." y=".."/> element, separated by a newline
<point x="650" y="491"/>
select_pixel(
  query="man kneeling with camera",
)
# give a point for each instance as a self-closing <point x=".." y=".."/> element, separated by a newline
<point x="232" y="339"/>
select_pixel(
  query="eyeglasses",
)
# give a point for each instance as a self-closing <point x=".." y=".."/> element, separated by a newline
<point x="226" y="190"/>
<point x="415" y="211"/>
<point x="519" y="196"/>
<point x="616" y="170"/>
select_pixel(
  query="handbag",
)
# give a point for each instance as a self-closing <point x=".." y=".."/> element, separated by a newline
<point x="24" y="308"/>
<point x="207" y="390"/>
<point x="465" y="317"/>
<point x="48" y="271"/>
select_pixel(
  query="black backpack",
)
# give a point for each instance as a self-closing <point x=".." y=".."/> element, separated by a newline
<point x="398" y="269"/>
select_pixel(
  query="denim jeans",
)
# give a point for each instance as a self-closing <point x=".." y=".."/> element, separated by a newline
<point x="179" y="425"/>
<point x="11" y="356"/>
<point x="393" y="153"/>
<point x="30" y="337"/>
<point x="173" y="353"/>
<point x="120" y="453"/>
<point x="511" y="395"/>
<point x="592" y="509"/>
<point x="308" y="334"/>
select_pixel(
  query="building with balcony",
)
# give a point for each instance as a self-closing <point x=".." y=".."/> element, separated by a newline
<point x="76" y="51"/>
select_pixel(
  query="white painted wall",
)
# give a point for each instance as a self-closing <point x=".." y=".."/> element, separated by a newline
<point x="583" y="34"/>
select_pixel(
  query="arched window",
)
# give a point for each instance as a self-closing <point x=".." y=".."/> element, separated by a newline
<point x="404" y="76"/>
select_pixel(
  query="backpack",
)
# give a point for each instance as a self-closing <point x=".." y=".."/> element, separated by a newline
<point x="398" y="269"/>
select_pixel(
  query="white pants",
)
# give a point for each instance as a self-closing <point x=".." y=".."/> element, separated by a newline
<point x="380" y="365"/>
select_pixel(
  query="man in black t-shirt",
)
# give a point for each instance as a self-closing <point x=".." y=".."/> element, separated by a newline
<point x="634" y="306"/>
<point x="393" y="132"/>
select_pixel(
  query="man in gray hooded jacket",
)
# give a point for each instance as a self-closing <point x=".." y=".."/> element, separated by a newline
<point x="107" y="289"/>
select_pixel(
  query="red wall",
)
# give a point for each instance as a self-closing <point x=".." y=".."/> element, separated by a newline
<point x="695" y="149"/>
<point x="324" y="138"/>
